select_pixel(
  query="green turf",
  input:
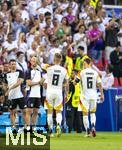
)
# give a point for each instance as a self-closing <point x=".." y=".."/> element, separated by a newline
<point x="103" y="141"/>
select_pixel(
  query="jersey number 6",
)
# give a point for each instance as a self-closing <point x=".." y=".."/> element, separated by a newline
<point x="89" y="82"/>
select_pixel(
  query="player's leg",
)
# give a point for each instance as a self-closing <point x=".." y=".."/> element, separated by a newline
<point x="58" y="107"/>
<point x="86" y="123"/>
<point x="58" y="121"/>
<point x="93" y="106"/>
<point x="49" y="105"/>
<point x="2" y="98"/>
<point x="25" y="119"/>
<point x="29" y="111"/>
<point x="85" y="110"/>
<point x="34" y="118"/>
<point x="13" y="117"/>
<point x="23" y="107"/>
<point x="50" y="120"/>
<point x="13" y="107"/>
<point x="36" y="106"/>
<point x="59" y="117"/>
<point x="25" y="116"/>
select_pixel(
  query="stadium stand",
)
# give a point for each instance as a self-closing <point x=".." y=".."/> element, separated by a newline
<point x="116" y="82"/>
<point x="42" y="28"/>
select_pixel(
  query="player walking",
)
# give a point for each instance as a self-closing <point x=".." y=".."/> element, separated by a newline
<point x="90" y="80"/>
<point x="56" y="77"/>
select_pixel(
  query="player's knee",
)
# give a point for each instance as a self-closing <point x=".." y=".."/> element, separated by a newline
<point x="24" y="112"/>
<point x="85" y="113"/>
<point x="29" y="111"/>
<point x="58" y="111"/>
<point x="12" y="112"/>
<point x="50" y="111"/>
<point x="92" y="112"/>
<point x="35" y="112"/>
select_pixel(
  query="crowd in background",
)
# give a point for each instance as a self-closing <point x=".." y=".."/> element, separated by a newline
<point x="42" y="28"/>
<point x="74" y="28"/>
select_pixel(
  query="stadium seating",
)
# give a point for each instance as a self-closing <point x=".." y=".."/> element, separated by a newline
<point x="116" y="82"/>
<point x="120" y="80"/>
<point x="99" y="64"/>
<point x="102" y="63"/>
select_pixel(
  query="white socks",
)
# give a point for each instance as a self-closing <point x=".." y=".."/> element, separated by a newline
<point x="59" y="118"/>
<point x="50" y="121"/>
<point x="93" y="119"/>
<point x="86" y="122"/>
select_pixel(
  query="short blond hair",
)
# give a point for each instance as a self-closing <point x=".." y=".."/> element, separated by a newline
<point x="58" y="55"/>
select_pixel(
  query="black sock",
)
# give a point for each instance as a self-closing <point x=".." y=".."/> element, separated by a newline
<point x="88" y="131"/>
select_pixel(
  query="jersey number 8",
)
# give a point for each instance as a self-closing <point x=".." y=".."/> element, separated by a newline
<point x="55" y="79"/>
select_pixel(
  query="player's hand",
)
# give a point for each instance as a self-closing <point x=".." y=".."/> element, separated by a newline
<point x="66" y="98"/>
<point x="41" y="81"/>
<point x="102" y="98"/>
<point x="7" y="93"/>
<point x="45" y="85"/>
<point x="28" y="82"/>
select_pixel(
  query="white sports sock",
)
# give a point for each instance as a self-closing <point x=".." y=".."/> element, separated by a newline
<point x="59" y="118"/>
<point x="93" y="119"/>
<point x="50" y="121"/>
<point x="86" y="122"/>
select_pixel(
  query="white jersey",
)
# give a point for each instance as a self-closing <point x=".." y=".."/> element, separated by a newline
<point x="34" y="76"/>
<point x="89" y="79"/>
<point x="12" y="78"/>
<point x="55" y="77"/>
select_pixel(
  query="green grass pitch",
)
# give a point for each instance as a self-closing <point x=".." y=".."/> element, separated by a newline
<point x="73" y="141"/>
<point x="103" y="141"/>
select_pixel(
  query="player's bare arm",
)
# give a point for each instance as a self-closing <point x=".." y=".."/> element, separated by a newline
<point x="66" y="88"/>
<point x="18" y="83"/>
<point x="30" y="83"/>
<point x="101" y="91"/>
<point x="42" y="81"/>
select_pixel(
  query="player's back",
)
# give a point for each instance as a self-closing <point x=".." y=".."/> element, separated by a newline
<point x="89" y="78"/>
<point x="55" y="77"/>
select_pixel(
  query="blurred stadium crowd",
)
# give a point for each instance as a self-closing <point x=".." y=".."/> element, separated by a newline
<point x="75" y="28"/>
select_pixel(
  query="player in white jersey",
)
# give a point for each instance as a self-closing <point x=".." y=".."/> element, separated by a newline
<point x="34" y="81"/>
<point x="14" y="80"/>
<point x="56" y="77"/>
<point x="90" y="80"/>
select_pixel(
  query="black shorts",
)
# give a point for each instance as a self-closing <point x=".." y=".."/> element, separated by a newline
<point x="17" y="102"/>
<point x="33" y="102"/>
